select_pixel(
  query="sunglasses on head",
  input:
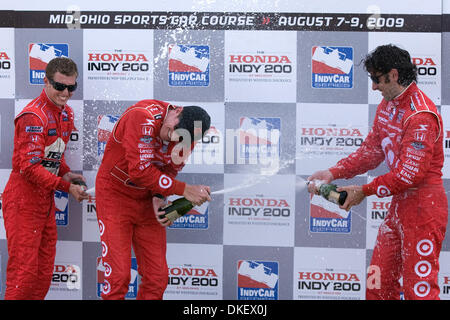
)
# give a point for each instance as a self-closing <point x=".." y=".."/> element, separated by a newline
<point x="61" y="86"/>
<point x="376" y="79"/>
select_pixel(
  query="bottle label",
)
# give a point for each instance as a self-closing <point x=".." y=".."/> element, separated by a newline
<point x="334" y="197"/>
<point x="172" y="215"/>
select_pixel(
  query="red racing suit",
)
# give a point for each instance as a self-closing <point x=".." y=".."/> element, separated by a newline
<point x="42" y="131"/>
<point x="408" y="134"/>
<point x="136" y="165"/>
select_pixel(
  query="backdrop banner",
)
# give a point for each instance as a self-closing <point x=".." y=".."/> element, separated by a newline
<point x="287" y="94"/>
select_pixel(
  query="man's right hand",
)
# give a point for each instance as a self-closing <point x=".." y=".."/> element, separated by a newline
<point x="197" y="194"/>
<point x="78" y="192"/>
<point x="324" y="176"/>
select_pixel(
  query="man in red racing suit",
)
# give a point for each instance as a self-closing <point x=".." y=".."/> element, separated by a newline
<point x="138" y="168"/>
<point x="408" y="134"/>
<point x="42" y="131"/>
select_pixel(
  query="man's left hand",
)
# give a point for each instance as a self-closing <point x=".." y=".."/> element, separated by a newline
<point x="158" y="203"/>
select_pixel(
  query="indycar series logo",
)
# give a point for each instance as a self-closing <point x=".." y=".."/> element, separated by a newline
<point x="62" y="208"/>
<point x="189" y="65"/>
<point x="332" y="67"/>
<point x="196" y="218"/>
<point x="327" y="217"/>
<point x="259" y="138"/>
<point x="40" y="54"/>
<point x="105" y="125"/>
<point x="257" y="280"/>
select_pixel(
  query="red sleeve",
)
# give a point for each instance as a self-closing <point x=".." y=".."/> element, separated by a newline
<point x="30" y="137"/>
<point x="367" y="157"/>
<point x="414" y="159"/>
<point x="172" y="170"/>
<point x="140" y="167"/>
<point x="180" y="155"/>
<point x="63" y="168"/>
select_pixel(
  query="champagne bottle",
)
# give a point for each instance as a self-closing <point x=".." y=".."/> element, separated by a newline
<point x="176" y="209"/>
<point x="328" y="191"/>
<point x="80" y="183"/>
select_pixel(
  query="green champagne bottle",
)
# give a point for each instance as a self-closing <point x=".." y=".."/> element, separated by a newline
<point x="328" y="191"/>
<point x="176" y="209"/>
<point x="79" y="182"/>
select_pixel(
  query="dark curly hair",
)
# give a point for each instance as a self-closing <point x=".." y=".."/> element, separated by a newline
<point x="387" y="57"/>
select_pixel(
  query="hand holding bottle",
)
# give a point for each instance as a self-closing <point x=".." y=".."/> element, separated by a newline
<point x="330" y="192"/>
<point x="158" y="202"/>
<point x="173" y="210"/>
<point x="318" y="178"/>
<point x="355" y="196"/>
<point x="194" y="195"/>
<point x="346" y="197"/>
<point x="197" y="194"/>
